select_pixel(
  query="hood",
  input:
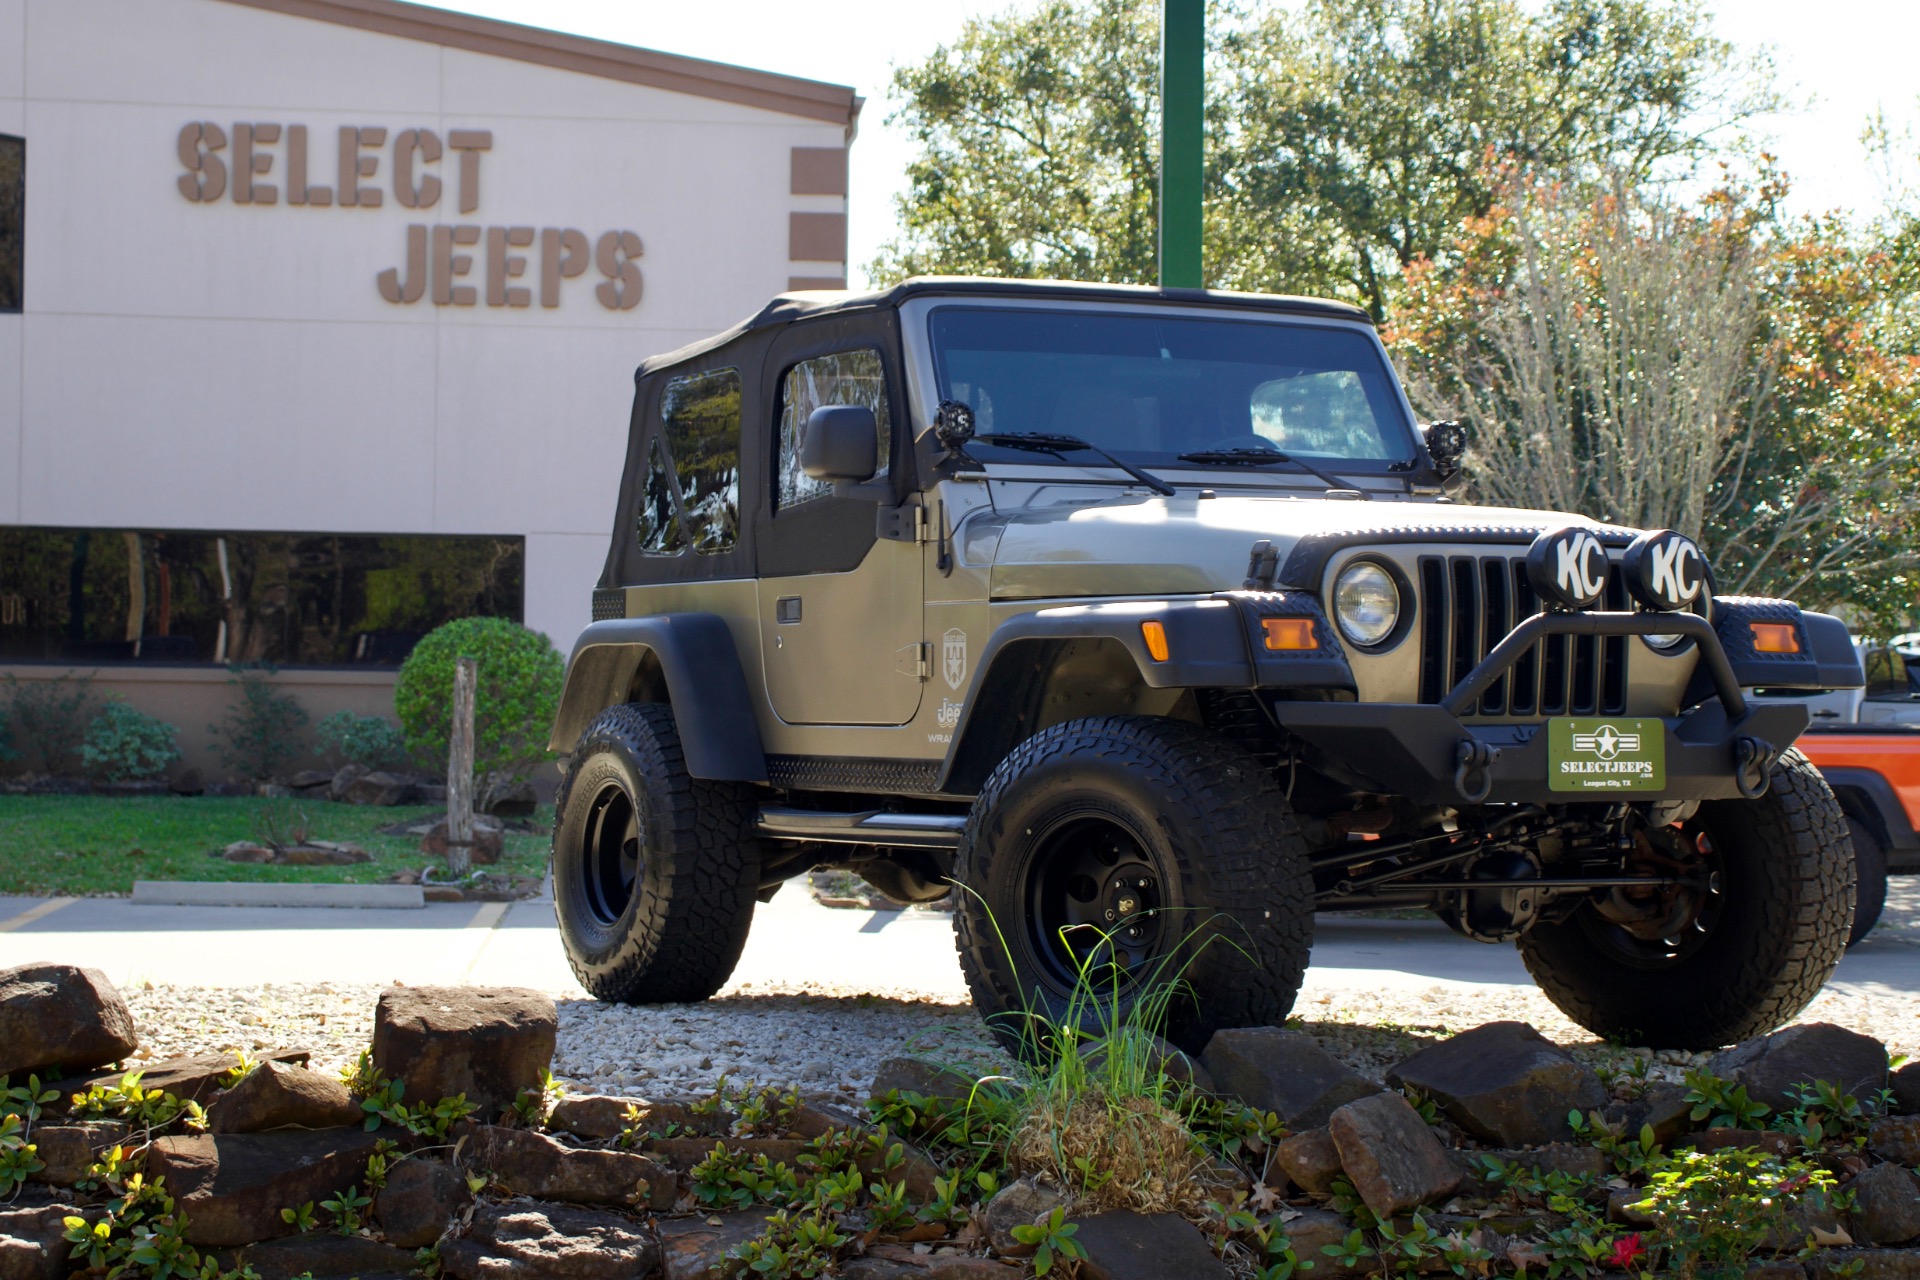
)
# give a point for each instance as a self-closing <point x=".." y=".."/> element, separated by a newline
<point x="1130" y="545"/>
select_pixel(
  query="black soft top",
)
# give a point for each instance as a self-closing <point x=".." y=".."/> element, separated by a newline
<point x="789" y="307"/>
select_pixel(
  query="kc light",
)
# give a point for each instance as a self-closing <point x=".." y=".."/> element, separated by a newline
<point x="1366" y="603"/>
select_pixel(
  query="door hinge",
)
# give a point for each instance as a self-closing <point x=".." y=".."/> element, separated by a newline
<point x="914" y="660"/>
<point x="904" y="523"/>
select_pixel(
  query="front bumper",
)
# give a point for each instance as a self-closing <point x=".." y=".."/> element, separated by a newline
<point x="1721" y="749"/>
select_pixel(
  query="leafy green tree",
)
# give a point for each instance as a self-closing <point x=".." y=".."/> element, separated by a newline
<point x="1344" y="141"/>
<point x="516" y="695"/>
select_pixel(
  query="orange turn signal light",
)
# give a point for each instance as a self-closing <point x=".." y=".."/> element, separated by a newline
<point x="1290" y="633"/>
<point x="1155" y="634"/>
<point x="1775" y="637"/>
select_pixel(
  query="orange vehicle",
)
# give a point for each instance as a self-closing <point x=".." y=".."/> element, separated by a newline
<point x="1874" y="770"/>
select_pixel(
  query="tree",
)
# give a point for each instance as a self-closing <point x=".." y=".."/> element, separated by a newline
<point x="1711" y="368"/>
<point x="1344" y="141"/>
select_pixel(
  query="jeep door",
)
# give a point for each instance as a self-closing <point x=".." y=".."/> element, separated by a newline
<point x="840" y="607"/>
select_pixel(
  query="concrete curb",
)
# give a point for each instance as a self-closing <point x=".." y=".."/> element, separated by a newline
<point x="242" y="893"/>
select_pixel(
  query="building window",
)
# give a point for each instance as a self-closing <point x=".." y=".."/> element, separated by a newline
<point x="13" y="220"/>
<point x="700" y="420"/>
<point x="96" y="596"/>
<point x="847" y="377"/>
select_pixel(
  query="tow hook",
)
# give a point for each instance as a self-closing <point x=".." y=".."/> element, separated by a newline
<point x="1752" y="762"/>
<point x="1472" y="756"/>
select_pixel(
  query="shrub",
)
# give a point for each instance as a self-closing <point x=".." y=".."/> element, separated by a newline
<point x="124" y="743"/>
<point x="373" y="741"/>
<point x="517" y="693"/>
<point x="261" y="734"/>
<point x="50" y="718"/>
<point x="6" y="737"/>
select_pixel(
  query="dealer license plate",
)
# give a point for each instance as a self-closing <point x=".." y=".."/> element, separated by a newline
<point x="1606" y="755"/>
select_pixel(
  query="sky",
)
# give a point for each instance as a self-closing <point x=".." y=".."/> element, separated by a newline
<point x="1839" y="60"/>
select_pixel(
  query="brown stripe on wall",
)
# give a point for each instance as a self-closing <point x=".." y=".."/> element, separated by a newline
<point x="819" y="171"/>
<point x="796" y="283"/>
<point x="810" y="99"/>
<point x="817" y="237"/>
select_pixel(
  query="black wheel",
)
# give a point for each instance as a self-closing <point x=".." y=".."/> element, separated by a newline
<point x="1112" y="856"/>
<point x="1738" y="954"/>
<point x="654" y="871"/>
<point x="1870" y="879"/>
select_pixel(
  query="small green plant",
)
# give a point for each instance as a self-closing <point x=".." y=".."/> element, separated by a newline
<point x="803" y="1245"/>
<point x="385" y="1105"/>
<point x="373" y="741"/>
<point x="260" y="734"/>
<point x="1052" y="1240"/>
<point x="1723" y="1104"/>
<point x="346" y="1208"/>
<point x="124" y="744"/>
<point x="281" y="824"/>
<point x="19" y="1159"/>
<point x="1823" y="1110"/>
<point x="48" y="719"/>
<point x="301" y="1219"/>
<point x="1716" y="1209"/>
<point x="25" y="1100"/>
<point x="140" y="1107"/>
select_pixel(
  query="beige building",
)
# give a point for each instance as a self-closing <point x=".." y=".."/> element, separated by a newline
<point x="318" y="320"/>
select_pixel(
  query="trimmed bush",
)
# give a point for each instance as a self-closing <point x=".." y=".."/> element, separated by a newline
<point x="261" y="734"/>
<point x="49" y="719"/>
<point x="373" y="741"/>
<point x="125" y="744"/>
<point x="516" y="695"/>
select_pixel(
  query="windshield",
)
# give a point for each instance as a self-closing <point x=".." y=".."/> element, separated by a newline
<point x="1151" y="388"/>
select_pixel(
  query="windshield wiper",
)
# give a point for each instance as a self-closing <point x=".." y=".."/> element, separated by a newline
<point x="1267" y="457"/>
<point x="1040" y="442"/>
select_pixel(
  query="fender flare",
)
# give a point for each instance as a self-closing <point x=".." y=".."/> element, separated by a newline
<point x="1869" y="795"/>
<point x="1213" y="642"/>
<point x="705" y="686"/>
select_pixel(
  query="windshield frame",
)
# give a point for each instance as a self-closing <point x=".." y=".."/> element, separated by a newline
<point x="1400" y="417"/>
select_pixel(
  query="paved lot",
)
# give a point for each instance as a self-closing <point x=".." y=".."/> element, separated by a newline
<point x="795" y="943"/>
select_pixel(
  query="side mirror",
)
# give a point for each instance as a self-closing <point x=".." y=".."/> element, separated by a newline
<point x="842" y="443"/>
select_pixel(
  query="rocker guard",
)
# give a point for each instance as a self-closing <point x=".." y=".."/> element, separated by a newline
<point x="1424" y="752"/>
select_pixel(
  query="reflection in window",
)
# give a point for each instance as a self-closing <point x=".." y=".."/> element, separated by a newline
<point x="116" y="595"/>
<point x="1325" y="413"/>
<point x="13" y="220"/>
<point x="701" y="416"/>
<point x="657" y="521"/>
<point x="847" y="377"/>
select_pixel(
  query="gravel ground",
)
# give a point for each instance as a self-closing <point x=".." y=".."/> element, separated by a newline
<point x="826" y="1042"/>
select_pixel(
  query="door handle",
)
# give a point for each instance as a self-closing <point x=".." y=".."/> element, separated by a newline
<point x="786" y="609"/>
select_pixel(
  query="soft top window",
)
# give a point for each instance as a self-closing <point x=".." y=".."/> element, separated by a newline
<point x="691" y="492"/>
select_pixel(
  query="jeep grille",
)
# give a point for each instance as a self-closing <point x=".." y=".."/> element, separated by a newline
<point x="1468" y="604"/>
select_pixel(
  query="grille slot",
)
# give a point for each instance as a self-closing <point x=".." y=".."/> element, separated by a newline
<point x="1468" y="604"/>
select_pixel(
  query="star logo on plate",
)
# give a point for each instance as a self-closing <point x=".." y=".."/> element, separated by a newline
<point x="1606" y="742"/>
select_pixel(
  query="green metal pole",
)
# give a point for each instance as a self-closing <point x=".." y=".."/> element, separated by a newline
<point x="1182" y="104"/>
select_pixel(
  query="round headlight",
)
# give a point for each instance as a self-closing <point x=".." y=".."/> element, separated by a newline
<point x="1366" y="604"/>
<point x="1664" y="642"/>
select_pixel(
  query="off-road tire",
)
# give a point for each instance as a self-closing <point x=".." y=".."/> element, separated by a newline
<point x="1234" y="891"/>
<point x="685" y="919"/>
<point x="1786" y="905"/>
<point x="1870" y="879"/>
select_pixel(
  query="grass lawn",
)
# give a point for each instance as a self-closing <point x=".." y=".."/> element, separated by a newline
<point x="102" y="844"/>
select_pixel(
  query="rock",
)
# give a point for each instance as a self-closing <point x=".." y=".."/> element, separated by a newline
<point x="1905" y="1084"/>
<point x="1777" y="1144"/>
<point x="1134" y="1246"/>
<point x="696" y="1248"/>
<point x="1165" y="1057"/>
<point x="600" y="1118"/>
<point x="1662" y="1105"/>
<point x="61" y="1015"/>
<point x="1886" y="1205"/>
<point x="1310" y="1160"/>
<point x="378" y="788"/>
<point x="1286" y="1072"/>
<point x="275" y="1095"/>
<point x="1623" y="1207"/>
<point x="489" y="1043"/>
<point x="430" y="793"/>
<point x="194" y="1078"/>
<point x="549" y="1242"/>
<point x="309" y="780"/>
<point x="1311" y="1230"/>
<point x="247" y="851"/>
<point x="1565" y="1158"/>
<point x="323" y="1253"/>
<point x="916" y="1075"/>
<point x="891" y="1262"/>
<point x="532" y="1164"/>
<point x="814" y="1120"/>
<point x="33" y="1243"/>
<point x="1799" y="1055"/>
<point x="420" y="1197"/>
<point x="1390" y="1155"/>
<point x="232" y="1186"/>
<point x="1864" y="1264"/>
<point x="489" y="838"/>
<point x="68" y="1149"/>
<point x="1503" y="1083"/>
<point x="1019" y="1204"/>
<point x="1896" y="1138"/>
<point x="1775" y="1269"/>
<point x="511" y="800"/>
<point x="344" y="778"/>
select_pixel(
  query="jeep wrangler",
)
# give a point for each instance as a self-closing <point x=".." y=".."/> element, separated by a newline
<point x="1145" y="622"/>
